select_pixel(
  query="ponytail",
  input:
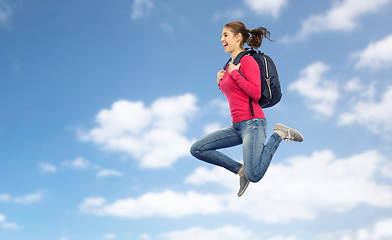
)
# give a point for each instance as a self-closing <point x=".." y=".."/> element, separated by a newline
<point x="253" y="38"/>
<point x="257" y="36"/>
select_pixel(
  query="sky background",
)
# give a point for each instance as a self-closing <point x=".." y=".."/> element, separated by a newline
<point x="100" y="101"/>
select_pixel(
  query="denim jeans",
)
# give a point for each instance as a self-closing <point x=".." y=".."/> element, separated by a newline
<point x="250" y="133"/>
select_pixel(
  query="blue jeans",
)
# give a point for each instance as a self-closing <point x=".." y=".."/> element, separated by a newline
<point x="250" y="133"/>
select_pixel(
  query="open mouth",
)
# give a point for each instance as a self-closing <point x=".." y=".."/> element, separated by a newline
<point x="225" y="45"/>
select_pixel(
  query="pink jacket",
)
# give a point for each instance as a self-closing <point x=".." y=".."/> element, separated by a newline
<point x="238" y="90"/>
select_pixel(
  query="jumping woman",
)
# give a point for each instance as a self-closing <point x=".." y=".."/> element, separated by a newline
<point x="248" y="130"/>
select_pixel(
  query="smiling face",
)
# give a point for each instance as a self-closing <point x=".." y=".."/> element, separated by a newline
<point x="230" y="41"/>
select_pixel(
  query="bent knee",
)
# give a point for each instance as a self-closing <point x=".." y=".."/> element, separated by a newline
<point x="254" y="178"/>
<point x="194" y="150"/>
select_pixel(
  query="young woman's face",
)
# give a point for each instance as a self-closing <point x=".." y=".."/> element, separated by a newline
<point x="229" y="40"/>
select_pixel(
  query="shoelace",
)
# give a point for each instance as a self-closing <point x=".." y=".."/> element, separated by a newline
<point x="289" y="138"/>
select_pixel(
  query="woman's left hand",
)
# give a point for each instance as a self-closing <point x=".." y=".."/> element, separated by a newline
<point x="233" y="67"/>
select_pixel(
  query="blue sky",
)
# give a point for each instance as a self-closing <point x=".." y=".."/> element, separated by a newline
<point x="100" y="101"/>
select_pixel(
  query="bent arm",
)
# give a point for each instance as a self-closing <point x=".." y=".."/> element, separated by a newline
<point x="250" y="80"/>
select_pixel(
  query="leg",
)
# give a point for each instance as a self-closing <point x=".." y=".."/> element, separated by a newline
<point x="257" y="156"/>
<point x="205" y="148"/>
<point x="269" y="150"/>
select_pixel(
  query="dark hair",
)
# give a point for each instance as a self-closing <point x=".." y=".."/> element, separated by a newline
<point x="253" y="38"/>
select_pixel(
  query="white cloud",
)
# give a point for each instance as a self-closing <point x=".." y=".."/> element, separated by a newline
<point x="29" y="198"/>
<point x="47" y="167"/>
<point x="216" y="175"/>
<point x="378" y="114"/>
<point x="90" y="204"/>
<point x="152" y="135"/>
<point x="320" y="93"/>
<point x="79" y="163"/>
<point x="381" y="230"/>
<point x="227" y="232"/>
<point x="328" y="176"/>
<point x="26" y="199"/>
<point x="109" y="173"/>
<point x="5" y="12"/>
<point x="10" y="225"/>
<point x="282" y="238"/>
<point x="5" y="198"/>
<point x="5" y="224"/>
<point x="314" y="183"/>
<point x="264" y="7"/>
<point x="109" y="236"/>
<point x="145" y="236"/>
<point x="167" y="204"/>
<point x="141" y="8"/>
<point x="353" y="85"/>
<point x="232" y="14"/>
<point x="223" y="233"/>
<point x="376" y="55"/>
<point x="343" y="16"/>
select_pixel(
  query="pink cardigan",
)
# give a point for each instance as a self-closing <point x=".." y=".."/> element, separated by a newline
<point x="238" y="90"/>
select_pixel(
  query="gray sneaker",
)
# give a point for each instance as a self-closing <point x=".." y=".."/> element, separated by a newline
<point x="243" y="182"/>
<point x="290" y="134"/>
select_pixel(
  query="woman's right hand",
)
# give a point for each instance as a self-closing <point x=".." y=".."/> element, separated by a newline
<point x="220" y="76"/>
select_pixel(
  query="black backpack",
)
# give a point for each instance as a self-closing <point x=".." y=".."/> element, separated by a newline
<point x="271" y="93"/>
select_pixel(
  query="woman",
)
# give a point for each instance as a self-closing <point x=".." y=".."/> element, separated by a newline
<point x="246" y="129"/>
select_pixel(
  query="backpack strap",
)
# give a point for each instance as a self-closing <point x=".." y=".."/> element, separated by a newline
<point x="236" y="62"/>
<point x="251" y="107"/>
<point x="251" y="51"/>
<point x="225" y="66"/>
<point x="237" y="58"/>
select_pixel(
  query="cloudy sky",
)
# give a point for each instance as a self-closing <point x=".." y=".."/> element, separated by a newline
<point x="100" y="101"/>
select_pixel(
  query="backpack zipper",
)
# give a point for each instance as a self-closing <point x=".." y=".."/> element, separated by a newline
<point x="268" y="79"/>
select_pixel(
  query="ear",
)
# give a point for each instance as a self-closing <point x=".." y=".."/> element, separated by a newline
<point x="238" y="37"/>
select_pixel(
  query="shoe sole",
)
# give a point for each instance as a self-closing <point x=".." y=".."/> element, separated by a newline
<point x="239" y="194"/>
